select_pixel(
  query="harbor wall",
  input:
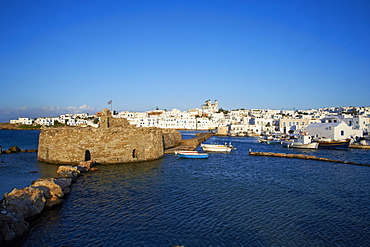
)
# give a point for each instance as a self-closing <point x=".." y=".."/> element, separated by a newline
<point x="195" y="141"/>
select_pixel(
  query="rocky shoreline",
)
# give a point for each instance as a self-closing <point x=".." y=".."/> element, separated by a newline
<point x="16" y="149"/>
<point x="20" y="205"/>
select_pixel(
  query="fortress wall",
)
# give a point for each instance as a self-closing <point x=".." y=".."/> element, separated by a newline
<point x="171" y="138"/>
<point x="119" y="122"/>
<point x="68" y="145"/>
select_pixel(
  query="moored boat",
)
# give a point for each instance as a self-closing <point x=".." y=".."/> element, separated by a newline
<point x="303" y="141"/>
<point x="264" y="139"/>
<point x="330" y="144"/>
<point x="275" y="141"/>
<point x="193" y="155"/>
<point x="217" y="148"/>
<point x="186" y="152"/>
<point x="271" y="140"/>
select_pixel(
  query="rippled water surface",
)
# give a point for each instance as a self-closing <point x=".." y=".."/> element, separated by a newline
<point x="225" y="200"/>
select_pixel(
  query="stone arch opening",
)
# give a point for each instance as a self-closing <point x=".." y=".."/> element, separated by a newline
<point x="87" y="155"/>
<point x="134" y="153"/>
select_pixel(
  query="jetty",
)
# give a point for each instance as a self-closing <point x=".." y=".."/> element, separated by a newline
<point x="190" y="144"/>
<point x="302" y="156"/>
<point x="359" y="146"/>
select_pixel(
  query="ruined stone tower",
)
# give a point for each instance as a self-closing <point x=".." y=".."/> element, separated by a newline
<point x="115" y="141"/>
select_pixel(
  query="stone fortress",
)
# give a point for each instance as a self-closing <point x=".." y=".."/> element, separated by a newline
<point x="115" y="141"/>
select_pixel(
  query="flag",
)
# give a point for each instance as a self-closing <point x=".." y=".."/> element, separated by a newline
<point x="110" y="102"/>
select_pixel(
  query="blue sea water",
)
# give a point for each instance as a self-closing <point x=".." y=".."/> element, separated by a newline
<point x="229" y="199"/>
<point x="18" y="170"/>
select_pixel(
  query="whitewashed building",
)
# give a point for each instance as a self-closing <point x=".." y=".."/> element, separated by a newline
<point x="295" y="124"/>
<point x="22" y="120"/>
<point x="266" y="125"/>
<point x="209" y="107"/>
<point x="334" y="131"/>
<point x="45" y="121"/>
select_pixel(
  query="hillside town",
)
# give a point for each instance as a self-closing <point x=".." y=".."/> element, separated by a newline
<point x="349" y="121"/>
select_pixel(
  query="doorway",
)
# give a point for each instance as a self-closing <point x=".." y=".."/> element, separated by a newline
<point x="87" y="155"/>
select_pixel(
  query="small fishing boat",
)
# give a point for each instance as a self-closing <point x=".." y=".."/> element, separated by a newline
<point x="359" y="143"/>
<point x="193" y="155"/>
<point x="303" y="141"/>
<point x="217" y="147"/>
<point x="186" y="152"/>
<point x="275" y="141"/>
<point x="270" y="140"/>
<point x="264" y="139"/>
<point x="330" y="144"/>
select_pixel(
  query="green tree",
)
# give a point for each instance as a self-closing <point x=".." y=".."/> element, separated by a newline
<point x="223" y="111"/>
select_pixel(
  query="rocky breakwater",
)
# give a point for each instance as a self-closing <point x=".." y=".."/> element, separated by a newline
<point x="21" y="205"/>
<point x="16" y="149"/>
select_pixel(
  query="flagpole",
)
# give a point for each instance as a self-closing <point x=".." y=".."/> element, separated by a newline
<point x="111" y="105"/>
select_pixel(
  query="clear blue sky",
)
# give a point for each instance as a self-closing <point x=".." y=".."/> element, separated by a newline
<point x="59" y="56"/>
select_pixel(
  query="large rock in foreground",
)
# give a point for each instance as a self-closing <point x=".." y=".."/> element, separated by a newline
<point x="20" y="204"/>
<point x="26" y="202"/>
<point x="12" y="226"/>
<point x="54" y="189"/>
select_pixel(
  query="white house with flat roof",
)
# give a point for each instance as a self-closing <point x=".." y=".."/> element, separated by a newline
<point x="267" y="125"/>
<point x="45" y="121"/>
<point x="22" y="120"/>
<point x="334" y="131"/>
<point x="295" y="124"/>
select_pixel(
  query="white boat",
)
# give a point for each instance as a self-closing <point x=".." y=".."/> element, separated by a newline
<point x="186" y="152"/>
<point x="264" y="139"/>
<point x="275" y="141"/>
<point x="193" y="155"/>
<point x="217" y="147"/>
<point x="270" y="140"/>
<point x="303" y="141"/>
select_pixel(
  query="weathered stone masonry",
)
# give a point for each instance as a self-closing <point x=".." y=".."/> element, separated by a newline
<point x="114" y="142"/>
